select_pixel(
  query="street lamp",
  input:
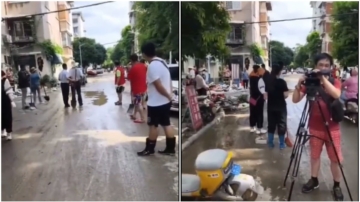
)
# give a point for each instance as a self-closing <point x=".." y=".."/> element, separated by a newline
<point x="208" y="57"/>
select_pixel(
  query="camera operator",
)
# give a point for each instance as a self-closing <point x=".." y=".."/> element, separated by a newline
<point x="317" y="128"/>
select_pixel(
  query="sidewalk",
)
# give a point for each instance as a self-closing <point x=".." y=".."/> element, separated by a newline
<point x="269" y="165"/>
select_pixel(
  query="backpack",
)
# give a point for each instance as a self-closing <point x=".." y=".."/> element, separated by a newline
<point x="335" y="106"/>
<point x="23" y="79"/>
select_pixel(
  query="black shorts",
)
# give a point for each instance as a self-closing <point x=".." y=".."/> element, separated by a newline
<point x="159" y="115"/>
<point x="201" y="91"/>
<point x="120" y="89"/>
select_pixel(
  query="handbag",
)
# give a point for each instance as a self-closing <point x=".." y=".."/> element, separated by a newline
<point x="252" y="101"/>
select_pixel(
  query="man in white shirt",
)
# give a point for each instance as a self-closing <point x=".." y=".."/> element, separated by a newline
<point x="159" y="102"/>
<point x="74" y="76"/>
<point x="64" y="84"/>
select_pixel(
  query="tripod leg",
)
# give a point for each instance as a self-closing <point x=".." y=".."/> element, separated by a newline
<point x="335" y="151"/>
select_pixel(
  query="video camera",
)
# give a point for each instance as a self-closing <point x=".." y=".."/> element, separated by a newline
<point x="312" y="81"/>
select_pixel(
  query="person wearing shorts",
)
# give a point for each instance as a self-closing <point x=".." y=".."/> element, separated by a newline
<point x="119" y="82"/>
<point x="159" y="92"/>
<point x="137" y="78"/>
<point x="318" y="129"/>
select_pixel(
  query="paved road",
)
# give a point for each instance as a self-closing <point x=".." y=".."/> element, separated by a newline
<point x="88" y="154"/>
<point x="269" y="165"/>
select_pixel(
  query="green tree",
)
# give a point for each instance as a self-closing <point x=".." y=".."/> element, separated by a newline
<point x="100" y="54"/>
<point x="159" y="22"/>
<point x="313" y="44"/>
<point x="108" y="62"/>
<point x="87" y="50"/>
<point x="301" y="56"/>
<point x="345" y="32"/>
<point x="204" y="29"/>
<point x="280" y="53"/>
<point x="126" y="44"/>
<point x="117" y="53"/>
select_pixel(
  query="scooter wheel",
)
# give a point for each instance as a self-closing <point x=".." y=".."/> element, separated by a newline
<point x="249" y="195"/>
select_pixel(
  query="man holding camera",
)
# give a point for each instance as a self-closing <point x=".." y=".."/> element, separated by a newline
<point x="318" y="130"/>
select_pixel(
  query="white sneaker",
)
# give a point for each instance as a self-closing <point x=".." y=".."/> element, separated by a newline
<point x="9" y="136"/>
<point x="262" y="131"/>
<point x="3" y="134"/>
<point x="253" y="129"/>
<point x="258" y="131"/>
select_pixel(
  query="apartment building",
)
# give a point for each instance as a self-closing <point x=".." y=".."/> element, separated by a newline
<point x="66" y="30"/>
<point x="23" y="31"/>
<point x="243" y="34"/>
<point x="322" y="24"/>
<point x="78" y="24"/>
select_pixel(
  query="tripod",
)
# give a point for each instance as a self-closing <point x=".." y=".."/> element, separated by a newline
<point x="302" y="136"/>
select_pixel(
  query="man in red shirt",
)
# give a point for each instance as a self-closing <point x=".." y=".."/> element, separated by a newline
<point x="137" y="78"/>
<point x="318" y="131"/>
<point x="119" y="81"/>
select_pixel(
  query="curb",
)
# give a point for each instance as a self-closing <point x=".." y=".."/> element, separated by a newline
<point x="196" y="136"/>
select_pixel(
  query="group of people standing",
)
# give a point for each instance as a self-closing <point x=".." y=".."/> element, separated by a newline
<point x="269" y="86"/>
<point x="151" y="86"/>
<point x="26" y="80"/>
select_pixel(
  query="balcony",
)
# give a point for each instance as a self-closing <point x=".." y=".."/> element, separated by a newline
<point x="67" y="51"/>
<point x="21" y="29"/>
<point x="65" y="27"/>
<point x="236" y="35"/>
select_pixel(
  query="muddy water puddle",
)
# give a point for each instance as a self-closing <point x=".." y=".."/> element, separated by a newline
<point x="98" y="98"/>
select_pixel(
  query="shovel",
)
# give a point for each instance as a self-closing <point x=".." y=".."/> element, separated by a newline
<point x="46" y="97"/>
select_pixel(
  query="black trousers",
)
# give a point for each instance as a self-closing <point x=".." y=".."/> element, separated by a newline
<point x="65" y="90"/>
<point x="202" y="91"/>
<point x="277" y="119"/>
<point x="257" y="114"/>
<point x="7" y="118"/>
<point x="246" y="83"/>
<point x="76" y="87"/>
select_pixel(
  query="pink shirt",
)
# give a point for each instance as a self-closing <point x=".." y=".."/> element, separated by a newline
<point x="352" y="87"/>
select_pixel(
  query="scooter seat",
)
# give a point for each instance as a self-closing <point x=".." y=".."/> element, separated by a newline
<point x="352" y="106"/>
<point x="190" y="183"/>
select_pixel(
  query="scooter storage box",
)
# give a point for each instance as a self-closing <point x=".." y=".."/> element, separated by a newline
<point x="212" y="159"/>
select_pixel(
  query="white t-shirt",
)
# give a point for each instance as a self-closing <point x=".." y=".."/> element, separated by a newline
<point x="157" y="70"/>
<point x="75" y="74"/>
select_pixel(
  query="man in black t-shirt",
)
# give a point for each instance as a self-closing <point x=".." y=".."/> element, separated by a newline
<point x="23" y="84"/>
<point x="277" y="92"/>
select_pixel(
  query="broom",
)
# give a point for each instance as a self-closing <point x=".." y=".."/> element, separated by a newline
<point x="287" y="139"/>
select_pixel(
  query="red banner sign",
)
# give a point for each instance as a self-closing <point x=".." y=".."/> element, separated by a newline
<point x="194" y="107"/>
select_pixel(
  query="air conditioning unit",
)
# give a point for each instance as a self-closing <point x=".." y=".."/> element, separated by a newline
<point x="6" y="38"/>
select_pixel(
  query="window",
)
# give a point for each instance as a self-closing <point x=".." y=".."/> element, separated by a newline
<point x="75" y="20"/>
<point x="236" y="33"/>
<point x="76" y="30"/>
<point x="22" y="29"/>
<point x="233" y="5"/>
<point x="66" y="39"/>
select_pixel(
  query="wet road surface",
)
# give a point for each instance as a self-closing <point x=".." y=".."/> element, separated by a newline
<point x="269" y="165"/>
<point x="85" y="154"/>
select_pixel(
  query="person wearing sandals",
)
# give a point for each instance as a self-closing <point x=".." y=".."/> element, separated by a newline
<point x="7" y="103"/>
<point x="256" y="101"/>
<point x="35" y="84"/>
<point x="137" y="78"/>
<point x="119" y="81"/>
<point x="277" y="92"/>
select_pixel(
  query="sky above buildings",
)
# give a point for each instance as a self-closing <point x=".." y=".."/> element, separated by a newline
<point x="105" y="22"/>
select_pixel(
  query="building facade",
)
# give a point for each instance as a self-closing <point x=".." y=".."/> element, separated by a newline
<point x="78" y="24"/>
<point x="322" y="9"/>
<point x="66" y="30"/>
<point x="23" y="31"/>
<point x="244" y="33"/>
